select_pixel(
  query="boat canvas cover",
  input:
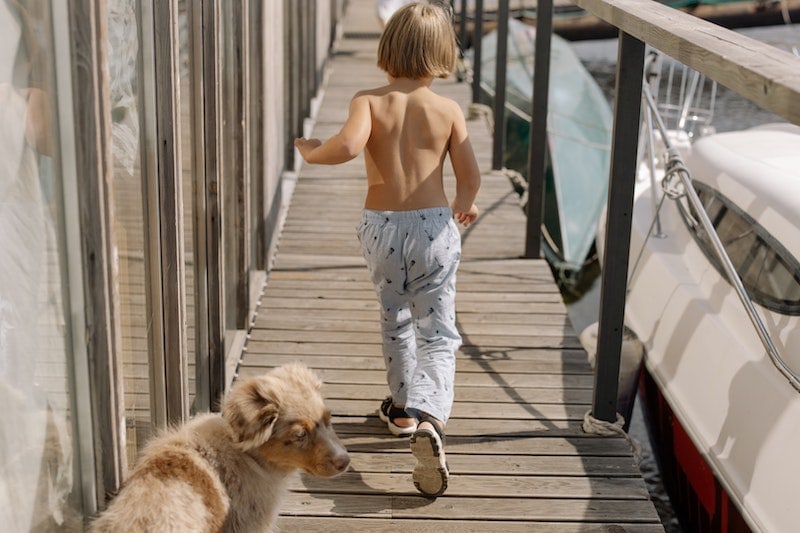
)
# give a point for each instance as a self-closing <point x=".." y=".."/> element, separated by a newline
<point x="579" y="124"/>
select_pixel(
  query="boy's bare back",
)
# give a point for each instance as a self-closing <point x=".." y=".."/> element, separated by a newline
<point x="406" y="131"/>
<point x="410" y="137"/>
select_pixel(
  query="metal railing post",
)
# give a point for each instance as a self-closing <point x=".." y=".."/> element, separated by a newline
<point x="477" y="47"/>
<point x="462" y="26"/>
<point x="500" y="86"/>
<point x="537" y="149"/>
<point x="627" y="107"/>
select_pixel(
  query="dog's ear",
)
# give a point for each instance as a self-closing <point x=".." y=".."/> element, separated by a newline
<point x="251" y="410"/>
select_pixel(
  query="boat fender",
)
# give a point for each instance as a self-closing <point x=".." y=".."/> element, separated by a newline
<point x="630" y="355"/>
<point x="630" y="364"/>
<point x="475" y="111"/>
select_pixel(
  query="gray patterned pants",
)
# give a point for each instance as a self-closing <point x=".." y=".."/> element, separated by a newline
<point x="412" y="258"/>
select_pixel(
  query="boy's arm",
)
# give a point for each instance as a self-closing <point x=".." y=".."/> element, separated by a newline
<point x="465" y="167"/>
<point x="346" y="144"/>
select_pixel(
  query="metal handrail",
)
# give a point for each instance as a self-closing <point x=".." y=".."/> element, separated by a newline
<point x="675" y="166"/>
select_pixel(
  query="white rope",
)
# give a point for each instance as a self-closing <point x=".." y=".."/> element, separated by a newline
<point x="596" y="426"/>
<point x="518" y="182"/>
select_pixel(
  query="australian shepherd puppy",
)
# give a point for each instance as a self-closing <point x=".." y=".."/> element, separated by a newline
<point x="228" y="471"/>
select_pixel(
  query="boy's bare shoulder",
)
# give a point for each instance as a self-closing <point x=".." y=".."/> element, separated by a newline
<point x="375" y="91"/>
<point x="445" y="107"/>
<point x="449" y="106"/>
<point x="452" y="104"/>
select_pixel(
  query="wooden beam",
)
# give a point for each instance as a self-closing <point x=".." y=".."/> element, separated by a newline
<point x="163" y="208"/>
<point x="212" y="102"/>
<point x="197" y="93"/>
<point x="760" y="72"/>
<point x="92" y="115"/>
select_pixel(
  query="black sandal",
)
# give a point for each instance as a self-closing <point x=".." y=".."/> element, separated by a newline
<point x="389" y="413"/>
<point x="431" y="472"/>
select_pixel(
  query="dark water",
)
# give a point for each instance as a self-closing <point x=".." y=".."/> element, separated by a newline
<point x="732" y="112"/>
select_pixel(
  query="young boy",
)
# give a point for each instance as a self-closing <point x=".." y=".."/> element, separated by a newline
<point x="408" y="236"/>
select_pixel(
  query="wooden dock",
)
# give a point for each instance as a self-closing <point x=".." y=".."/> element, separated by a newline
<point x="518" y="456"/>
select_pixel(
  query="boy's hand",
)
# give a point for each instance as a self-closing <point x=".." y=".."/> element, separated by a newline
<point x="465" y="218"/>
<point x="305" y="146"/>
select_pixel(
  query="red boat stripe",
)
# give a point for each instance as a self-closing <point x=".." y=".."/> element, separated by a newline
<point x="694" y="467"/>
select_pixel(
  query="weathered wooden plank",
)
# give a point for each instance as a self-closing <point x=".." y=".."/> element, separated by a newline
<point x="375" y="362"/>
<point x="544" y="337"/>
<point x="361" y="320"/>
<point x="367" y="293"/>
<point x="528" y="335"/>
<point x="285" y="261"/>
<point x="466" y="282"/>
<point x="329" y="321"/>
<point x="620" y="488"/>
<point x="484" y="411"/>
<point x="260" y="356"/>
<point x="473" y="464"/>
<point x="371" y="425"/>
<point x="488" y="445"/>
<point x="539" y="509"/>
<point x="484" y="355"/>
<point x="378" y="392"/>
<point x="398" y="525"/>
<point x="518" y="308"/>
<point x="483" y="379"/>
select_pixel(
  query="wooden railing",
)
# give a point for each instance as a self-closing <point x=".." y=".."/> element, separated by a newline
<point x="767" y="76"/>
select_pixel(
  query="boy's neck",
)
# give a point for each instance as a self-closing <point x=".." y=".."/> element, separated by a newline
<point x="409" y="84"/>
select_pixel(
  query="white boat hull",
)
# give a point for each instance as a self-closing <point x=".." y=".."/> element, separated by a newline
<point x="738" y="412"/>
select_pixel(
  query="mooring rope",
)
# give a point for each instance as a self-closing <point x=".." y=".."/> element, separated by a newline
<point x="596" y="426"/>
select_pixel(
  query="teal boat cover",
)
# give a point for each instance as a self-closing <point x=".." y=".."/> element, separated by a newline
<point x="579" y="123"/>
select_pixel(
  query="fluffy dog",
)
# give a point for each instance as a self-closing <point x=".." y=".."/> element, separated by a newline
<point x="228" y="472"/>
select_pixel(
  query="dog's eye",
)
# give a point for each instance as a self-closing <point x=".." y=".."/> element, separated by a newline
<point x="301" y="434"/>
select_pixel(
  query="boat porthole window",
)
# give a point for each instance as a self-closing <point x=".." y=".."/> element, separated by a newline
<point x="769" y="272"/>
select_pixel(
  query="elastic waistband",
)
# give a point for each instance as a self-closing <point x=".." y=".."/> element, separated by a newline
<point x="416" y="214"/>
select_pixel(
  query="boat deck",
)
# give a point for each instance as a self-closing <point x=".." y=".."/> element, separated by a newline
<point x="519" y="458"/>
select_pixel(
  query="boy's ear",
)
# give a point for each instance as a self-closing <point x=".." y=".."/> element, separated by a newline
<point x="251" y="410"/>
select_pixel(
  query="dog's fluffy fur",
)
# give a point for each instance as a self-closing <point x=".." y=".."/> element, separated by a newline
<point x="228" y="472"/>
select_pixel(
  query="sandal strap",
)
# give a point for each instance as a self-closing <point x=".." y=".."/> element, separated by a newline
<point x="392" y="411"/>
<point x="436" y="425"/>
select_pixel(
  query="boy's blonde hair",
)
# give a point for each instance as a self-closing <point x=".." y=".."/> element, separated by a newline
<point x="418" y="42"/>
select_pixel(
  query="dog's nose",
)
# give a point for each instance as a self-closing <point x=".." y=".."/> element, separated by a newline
<point x="341" y="461"/>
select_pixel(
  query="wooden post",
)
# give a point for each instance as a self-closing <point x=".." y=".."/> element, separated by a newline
<point x="197" y="93"/>
<point x="462" y="26"/>
<point x="237" y="223"/>
<point x="500" y="86"/>
<point x="477" y="45"/>
<point x="167" y="207"/>
<point x="627" y="107"/>
<point x="93" y="161"/>
<point x="255" y="121"/>
<point x="212" y="84"/>
<point x="163" y="214"/>
<point x="537" y="150"/>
